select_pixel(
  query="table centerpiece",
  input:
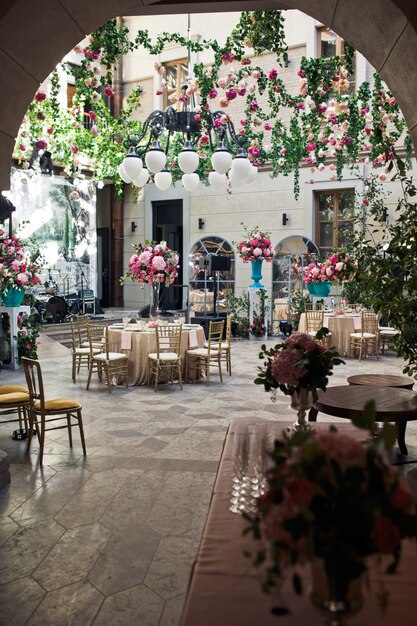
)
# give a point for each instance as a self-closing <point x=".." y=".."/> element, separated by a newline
<point x="256" y="248"/>
<point x="153" y="264"/>
<point x="19" y="270"/>
<point x="298" y="367"/>
<point x="332" y="502"/>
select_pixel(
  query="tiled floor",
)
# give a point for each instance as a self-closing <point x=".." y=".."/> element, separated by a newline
<point x="110" y="539"/>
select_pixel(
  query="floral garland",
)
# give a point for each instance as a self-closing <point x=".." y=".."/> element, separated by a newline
<point x="153" y="264"/>
<point x="256" y="247"/>
<point x="327" y="128"/>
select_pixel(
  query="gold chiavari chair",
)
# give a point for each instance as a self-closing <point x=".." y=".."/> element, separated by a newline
<point x="80" y="355"/>
<point x="367" y="337"/>
<point x="112" y="363"/>
<point x="314" y="323"/>
<point x="203" y="358"/>
<point x="168" y="353"/>
<point x="14" y="399"/>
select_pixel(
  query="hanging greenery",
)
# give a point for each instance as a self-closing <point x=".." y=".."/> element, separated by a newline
<point x="327" y="126"/>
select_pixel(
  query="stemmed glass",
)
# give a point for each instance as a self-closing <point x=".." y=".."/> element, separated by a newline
<point x="240" y="490"/>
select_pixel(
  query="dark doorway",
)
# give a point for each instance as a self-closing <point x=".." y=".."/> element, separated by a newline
<point x="103" y="266"/>
<point x="167" y="226"/>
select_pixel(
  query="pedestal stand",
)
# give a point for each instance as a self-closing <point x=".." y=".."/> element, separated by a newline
<point x="13" y="312"/>
<point x="254" y="299"/>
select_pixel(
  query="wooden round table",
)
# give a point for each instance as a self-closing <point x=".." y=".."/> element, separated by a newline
<point x="391" y="403"/>
<point x="381" y="380"/>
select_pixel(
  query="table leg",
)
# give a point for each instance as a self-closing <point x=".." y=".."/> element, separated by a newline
<point x="401" y="427"/>
<point x="312" y="415"/>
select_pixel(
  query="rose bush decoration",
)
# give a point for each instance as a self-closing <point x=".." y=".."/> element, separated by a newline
<point x="256" y="247"/>
<point x="334" y="498"/>
<point x="153" y="264"/>
<point x="18" y="269"/>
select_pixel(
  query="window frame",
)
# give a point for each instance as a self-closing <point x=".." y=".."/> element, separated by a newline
<point x="337" y="193"/>
<point x="178" y="63"/>
<point x="340" y="51"/>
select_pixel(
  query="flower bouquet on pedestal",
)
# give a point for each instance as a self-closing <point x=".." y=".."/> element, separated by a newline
<point x="255" y="248"/>
<point x="153" y="264"/>
<point x="298" y="367"/>
<point x="332" y="502"/>
<point x="18" y="270"/>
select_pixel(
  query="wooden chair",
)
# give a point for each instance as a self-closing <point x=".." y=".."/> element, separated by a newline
<point x="80" y="356"/>
<point x="367" y="337"/>
<point x="203" y="358"/>
<point x="42" y="411"/>
<point x="14" y="399"/>
<point x="314" y="323"/>
<point x="113" y="363"/>
<point x="308" y="306"/>
<point x="226" y="355"/>
<point x="385" y="335"/>
<point x="85" y="328"/>
<point x="168" y="353"/>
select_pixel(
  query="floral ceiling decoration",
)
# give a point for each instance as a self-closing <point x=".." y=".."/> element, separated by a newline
<point x="326" y="127"/>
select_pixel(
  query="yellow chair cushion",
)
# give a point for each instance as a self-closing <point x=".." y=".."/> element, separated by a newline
<point x="12" y="389"/>
<point x="59" y="404"/>
<point x="13" y="398"/>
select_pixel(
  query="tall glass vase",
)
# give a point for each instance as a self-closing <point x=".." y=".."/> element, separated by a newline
<point x="336" y="598"/>
<point x="302" y="400"/>
<point x="155" y="311"/>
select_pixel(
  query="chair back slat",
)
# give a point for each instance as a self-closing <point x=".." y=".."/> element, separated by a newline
<point x="168" y="338"/>
<point x="33" y="374"/>
<point x="314" y="320"/>
<point x="215" y="336"/>
<point x="370" y="322"/>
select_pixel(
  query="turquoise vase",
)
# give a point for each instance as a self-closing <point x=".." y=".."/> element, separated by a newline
<point x="13" y="297"/>
<point x="311" y="288"/>
<point x="322" y="289"/>
<point x="256" y="275"/>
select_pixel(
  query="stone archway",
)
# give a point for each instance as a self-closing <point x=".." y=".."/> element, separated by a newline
<point x="33" y="41"/>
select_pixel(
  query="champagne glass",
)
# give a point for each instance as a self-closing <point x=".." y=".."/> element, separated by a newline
<point x="240" y="465"/>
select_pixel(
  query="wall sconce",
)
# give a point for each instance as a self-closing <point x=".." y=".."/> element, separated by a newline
<point x="286" y="62"/>
<point x="133" y="226"/>
<point x="285" y="219"/>
<point x="384" y="214"/>
<point x="201" y="223"/>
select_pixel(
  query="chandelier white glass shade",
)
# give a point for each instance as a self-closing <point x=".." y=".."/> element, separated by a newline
<point x="154" y="146"/>
<point x="163" y="180"/>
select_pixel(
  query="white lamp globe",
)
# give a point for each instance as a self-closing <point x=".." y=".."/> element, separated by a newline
<point x="132" y="164"/>
<point x="221" y="159"/>
<point x="163" y="180"/>
<point x="217" y="181"/>
<point x="188" y="159"/>
<point x="190" y="181"/>
<point x="236" y="180"/>
<point x="253" y="172"/>
<point x="142" y="179"/>
<point x="125" y="178"/>
<point x="155" y="158"/>
<point x="241" y="165"/>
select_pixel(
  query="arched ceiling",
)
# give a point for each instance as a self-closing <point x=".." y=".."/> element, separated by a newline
<point x="34" y="37"/>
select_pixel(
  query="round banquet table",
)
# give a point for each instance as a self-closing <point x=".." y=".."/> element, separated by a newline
<point x="143" y="343"/>
<point x="341" y="326"/>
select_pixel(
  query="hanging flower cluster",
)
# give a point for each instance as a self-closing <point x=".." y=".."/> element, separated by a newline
<point x="18" y="270"/>
<point x="153" y="264"/>
<point x="256" y="247"/>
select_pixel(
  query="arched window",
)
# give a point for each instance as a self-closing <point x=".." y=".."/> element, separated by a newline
<point x="287" y="286"/>
<point x="209" y="288"/>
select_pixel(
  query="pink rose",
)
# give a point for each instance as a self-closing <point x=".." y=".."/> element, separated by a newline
<point x="300" y="491"/>
<point x="385" y="535"/>
<point x="222" y="82"/>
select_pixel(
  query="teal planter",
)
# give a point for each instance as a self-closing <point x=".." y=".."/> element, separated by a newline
<point x="13" y="297"/>
<point x="322" y="289"/>
<point x="311" y="288"/>
<point x="256" y="275"/>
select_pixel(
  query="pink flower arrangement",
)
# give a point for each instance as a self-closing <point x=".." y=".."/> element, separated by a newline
<point x="153" y="264"/>
<point x="18" y="269"/>
<point x="298" y="363"/>
<point x="340" y="266"/>
<point x="313" y="273"/>
<point x="335" y="498"/>
<point x="256" y="247"/>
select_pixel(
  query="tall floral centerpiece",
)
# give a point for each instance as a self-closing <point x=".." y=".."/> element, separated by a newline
<point x="340" y="266"/>
<point x="19" y="270"/>
<point x="255" y="248"/>
<point x="298" y="367"/>
<point x="312" y="275"/>
<point x="332" y="502"/>
<point x="153" y="264"/>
